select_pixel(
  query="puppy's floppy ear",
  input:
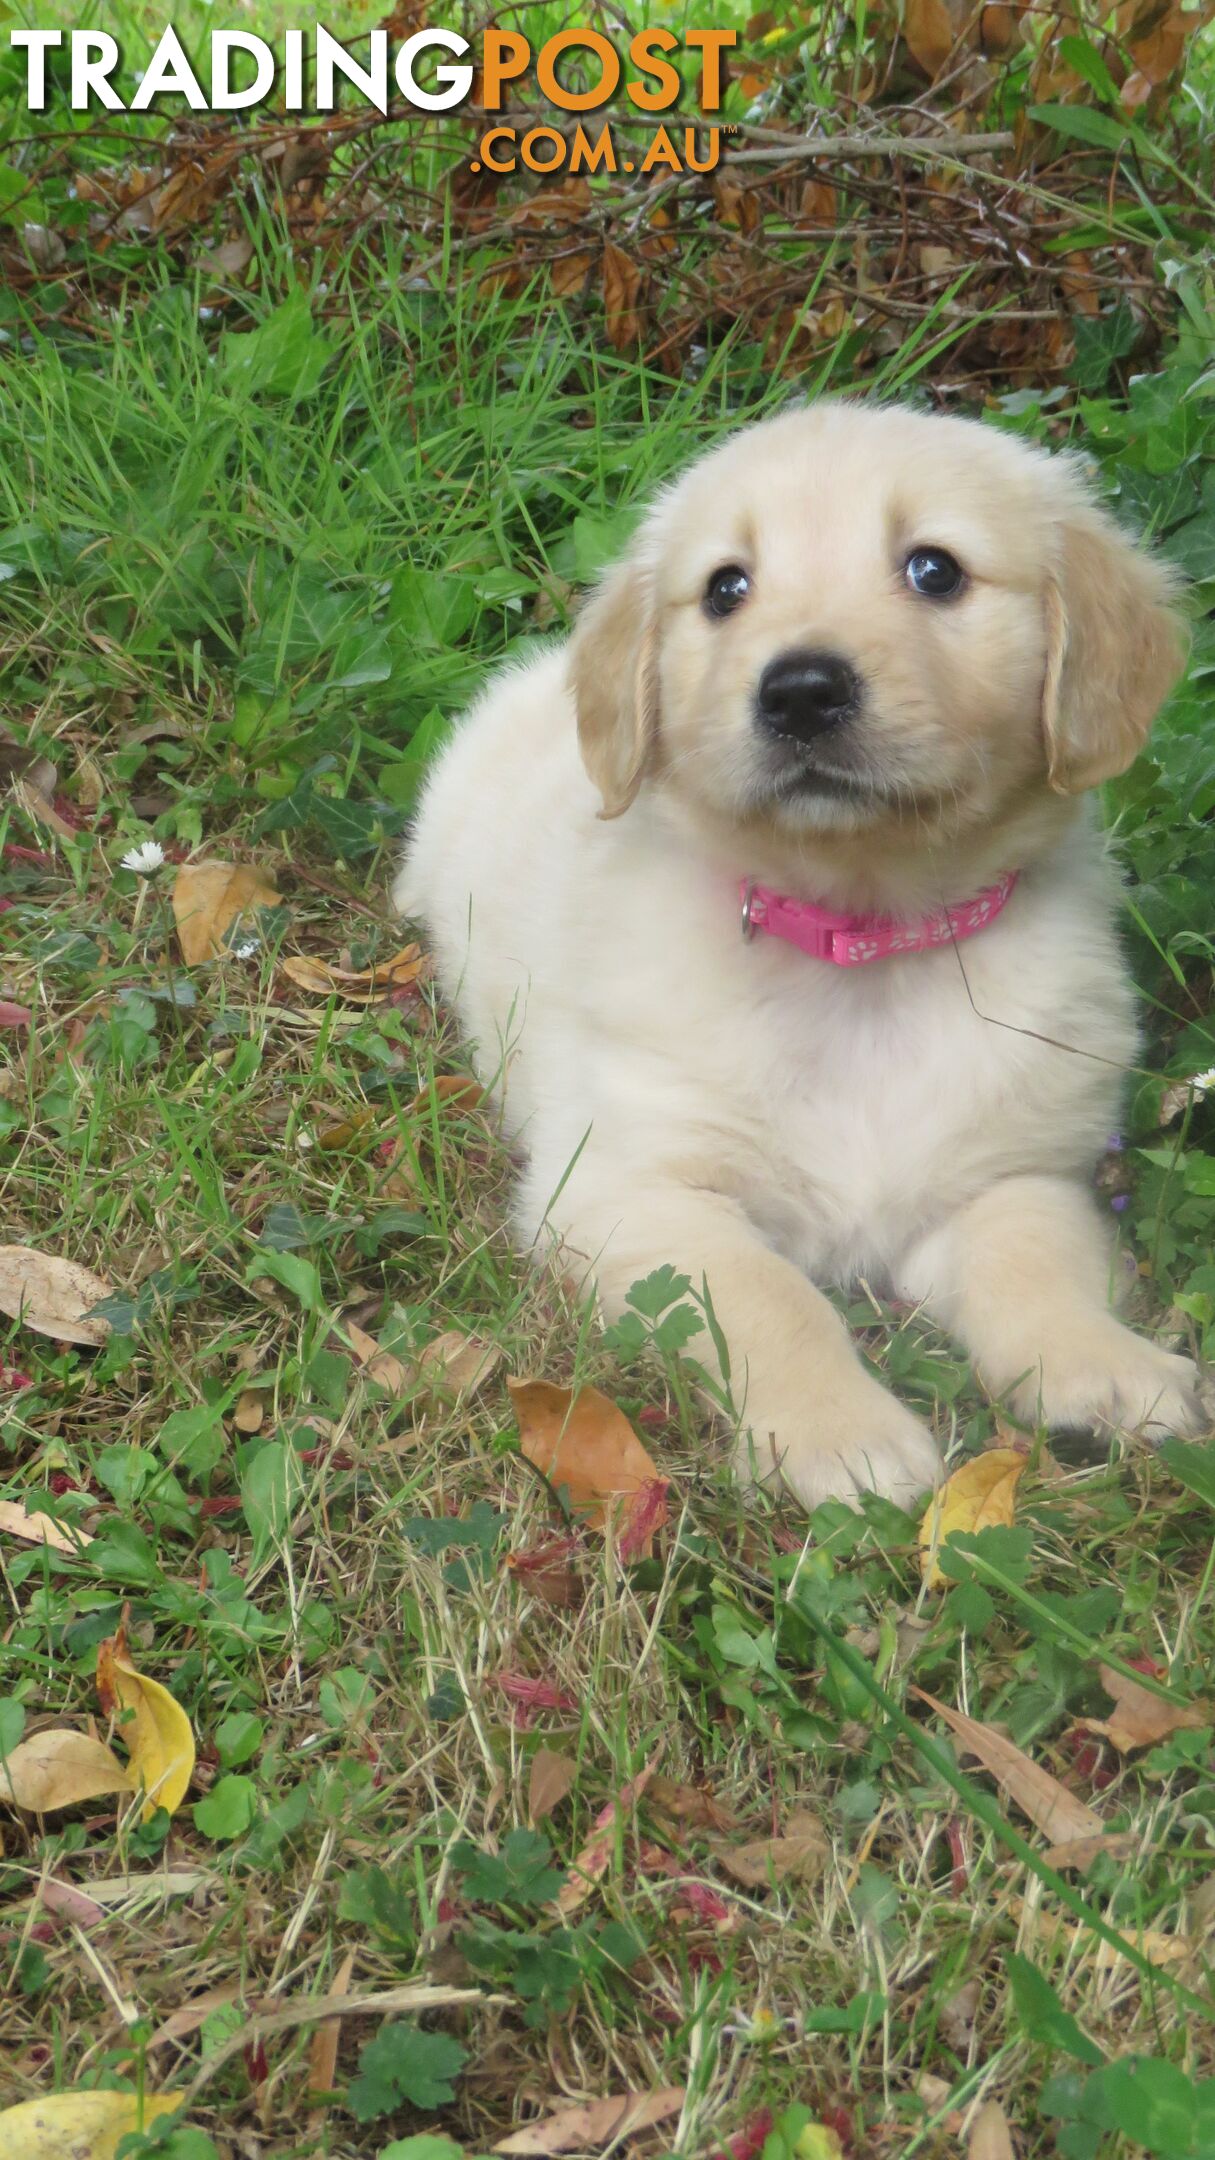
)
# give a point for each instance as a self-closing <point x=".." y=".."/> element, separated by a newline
<point x="1115" y="646"/>
<point x="613" y="672"/>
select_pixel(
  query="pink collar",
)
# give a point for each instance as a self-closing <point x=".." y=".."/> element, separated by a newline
<point x="851" y="940"/>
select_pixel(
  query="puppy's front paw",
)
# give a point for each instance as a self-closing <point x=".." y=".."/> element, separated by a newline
<point x="1112" y="1380"/>
<point x="868" y="1442"/>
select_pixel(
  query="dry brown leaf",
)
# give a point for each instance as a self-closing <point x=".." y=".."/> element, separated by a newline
<point x="342" y="1131"/>
<point x="552" y="1776"/>
<point x="323" y="2047"/>
<point x="958" y="2015"/>
<point x="568" y="272"/>
<point x="452" y="1091"/>
<point x="181" y="2023"/>
<point x="929" y="34"/>
<point x="51" y="1295"/>
<point x="1081" y="1852"/>
<point x="59" y="1769"/>
<point x="209" y="898"/>
<point x="1049" y="1805"/>
<point x="379" y="1365"/>
<point x="1139" y="1718"/>
<point x="39" y="806"/>
<point x="819" y="203"/>
<point x="989" y="2135"/>
<point x="801" y="1852"/>
<point x="250" y="1413"/>
<point x="39" y="1529"/>
<point x="597" y="2123"/>
<point x="583" y="1442"/>
<point x="983" y="1492"/>
<point x="621" y="287"/>
<point x="690" y="1804"/>
<point x="595" y="1858"/>
<point x="356" y="985"/>
<point x="1102" y="1957"/>
<point x="155" y="1731"/>
<point x="454" y="1364"/>
<point x="229" y="259"/>
<point x="69" y="1902"/>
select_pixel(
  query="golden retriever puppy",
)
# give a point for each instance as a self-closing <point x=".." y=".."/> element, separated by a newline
<point x="772" y="906"/>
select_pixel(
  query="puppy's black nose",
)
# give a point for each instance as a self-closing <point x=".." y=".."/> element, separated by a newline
<point x="802" y="694"/>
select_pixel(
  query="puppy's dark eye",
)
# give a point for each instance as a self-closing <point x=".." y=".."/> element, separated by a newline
<point x="934" y="573"/>
<point x="726" y="590"/>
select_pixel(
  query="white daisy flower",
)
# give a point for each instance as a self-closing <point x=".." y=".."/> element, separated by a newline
<point x="1203" y="1082"/>
<point x="144" y="859"/>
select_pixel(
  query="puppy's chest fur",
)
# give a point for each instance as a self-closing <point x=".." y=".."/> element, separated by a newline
<point x="848" y="1110"/>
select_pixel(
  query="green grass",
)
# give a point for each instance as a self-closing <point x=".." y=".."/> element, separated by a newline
<point x="248" y="580"/>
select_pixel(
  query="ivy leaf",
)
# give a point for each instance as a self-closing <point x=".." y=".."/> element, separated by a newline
<point x="403" y="2065"/>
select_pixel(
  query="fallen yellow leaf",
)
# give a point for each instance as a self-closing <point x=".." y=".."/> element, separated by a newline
<point x="156" y="1733"/>
<point x="51" y="1295"/>
<point x="79" y="2126"/>
<point x="208" y="898"/>
<point x="982" y="1494"/>
<point x="58" y="1769"/>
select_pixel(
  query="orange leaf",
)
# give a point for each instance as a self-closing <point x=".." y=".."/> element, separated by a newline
<point x="453" y="1091"/>
<point x="583" y="1442"/>
<point x="929" y="34"/>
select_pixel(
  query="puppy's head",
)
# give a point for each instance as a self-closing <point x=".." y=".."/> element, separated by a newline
<point x="847" y="617"/>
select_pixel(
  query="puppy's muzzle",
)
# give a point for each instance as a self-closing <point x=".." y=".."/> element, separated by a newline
<point x="803" y="694"/>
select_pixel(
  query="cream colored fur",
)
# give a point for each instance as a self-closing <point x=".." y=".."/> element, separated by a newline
<point x="759" y="1118"/>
